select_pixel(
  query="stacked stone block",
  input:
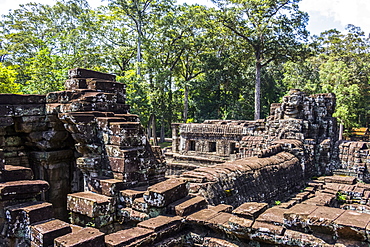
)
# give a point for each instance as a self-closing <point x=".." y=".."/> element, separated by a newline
<point x="19" y="208"/>
<point x="31" y="137"/>
<point x="355" y="159"/>
<point x="115" y="153"/>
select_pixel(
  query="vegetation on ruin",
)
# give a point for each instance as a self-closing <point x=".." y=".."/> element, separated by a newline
<point x="184" y="62"/>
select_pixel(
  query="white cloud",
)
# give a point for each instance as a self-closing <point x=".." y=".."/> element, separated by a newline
<point x="356" y="12"/>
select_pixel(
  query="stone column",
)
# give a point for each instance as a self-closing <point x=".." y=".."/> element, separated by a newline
<point x="175" y="137"/>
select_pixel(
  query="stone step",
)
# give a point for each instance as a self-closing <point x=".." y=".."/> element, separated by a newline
<point x="127" y="197"/>
<point x="130" y="214"/>
<point x="250" y="210"/>
<point x="162" y="223"/>
<point x="14" y="173"/>
<point x="19" y="217"/>
<point x="129" y="237"/>
<point x="22" y="189"/>
<point x="87" y="237"/>
<point x="43" y="234"/>
<point x="106" y="186"/>
<point x="90" y="204"/>
<point x="104" y="122"/>
<point x="187" y="205"/>
<point x="124" y="128"/>
<point x="166" y="192"/>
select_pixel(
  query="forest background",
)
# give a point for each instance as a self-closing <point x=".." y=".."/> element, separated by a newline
<point x="188" y="63"/>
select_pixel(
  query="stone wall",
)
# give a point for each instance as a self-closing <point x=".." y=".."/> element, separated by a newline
<point x="31" y="136"/>
<point x="355" y="159"/>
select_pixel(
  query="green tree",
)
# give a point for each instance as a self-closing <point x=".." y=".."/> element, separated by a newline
<point x="272" y="30"/>
<point x="8" y="75"/>
<point x="340" y="63"/>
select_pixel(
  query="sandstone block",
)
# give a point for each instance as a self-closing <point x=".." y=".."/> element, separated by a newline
<point x="106" y="186"/>
<point x="29" y="110"/>
<point x="240" y="226"/>
<point x="322" y="219"/>
<point x="14" y="173"/>
<point x="127" y="237"/>
<point x="128" y="196"/>
<point x="75" y="83"/>
<point x="162" y="223"/>
<point x="17" y="99"/>
<point x="129" y="214"/>
<point x="43" y="234"/>
<point x="127" y="164"/>
<point x="269" y="228"/>
<point x="352" y="225"/>
<point x="87" y="237"/>
<point x="84" y="73"/>
<point x="273" y="215"/>
<point x="166" y="192"/>
<point x="99" y="221"/>
<point x="21" y="216"/>
<point x="90" y="204"/>
<point x="22" y="189"/>
<point x="250" y="210"/>
<point x="340" y="179"/>
<point x="298" y="215"/>
<point x="187" y="205"/>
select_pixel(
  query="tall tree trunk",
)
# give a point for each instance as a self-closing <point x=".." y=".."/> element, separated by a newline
<point x="138" y="55"/>
<point x="257" y="92"/>
<point x="162" y="130"/>
<point x="186" y="102"/>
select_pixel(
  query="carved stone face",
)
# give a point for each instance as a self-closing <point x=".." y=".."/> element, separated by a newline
<point x="292" y="104"/>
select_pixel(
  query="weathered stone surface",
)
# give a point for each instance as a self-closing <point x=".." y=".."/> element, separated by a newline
<point x="272" y="215"/>
<point x="216" y="242"/>
<point x="221" y="208"/>
<point x="298" y="215"/>
<point x="22" y="189"/>
<point x="161" y="223"/>
<point x="187" y="206"/>
<point x="106" y="186"/>
<point x="201" y="217"/>
<point x="20" y="217"/>
<point x="271" y="229"/>
<point x="127" y="237"/>
<point x="90" y="204"/>
<point x="43" y="234"/>
<point x="13" y="173"/>
<point x="98" y="221"/>
<point x="340" y="179"/>
<point x="166" y="192"/>
<point x="128" y="196"/>
<point x="250" y="210"/>
<point x="129" y="214"/>
<point x="84" y="73"/>
<point x="352" y="225"/>
<point x="239" y="226"/>
<point x="18" y="99"/>
<point x="322" y="219"/>
<point x="87" y="237"/>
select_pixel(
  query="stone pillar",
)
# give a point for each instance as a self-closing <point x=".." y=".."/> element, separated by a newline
<point x="175" y="137"/>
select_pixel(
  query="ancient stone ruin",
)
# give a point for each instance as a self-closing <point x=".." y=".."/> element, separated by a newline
<point x="76" y="169"/>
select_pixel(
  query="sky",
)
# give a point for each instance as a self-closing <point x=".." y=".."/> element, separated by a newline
<point x="324" y="14"/>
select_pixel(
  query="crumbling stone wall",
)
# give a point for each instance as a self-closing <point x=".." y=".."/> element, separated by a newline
<point x="31" y="136"/>
<point x="265" y="179"/>
<point x="355" y="160"/>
